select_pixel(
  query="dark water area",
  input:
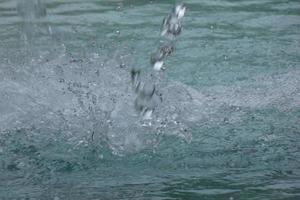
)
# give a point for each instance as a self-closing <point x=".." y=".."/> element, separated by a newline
<point x="227" y="126"/>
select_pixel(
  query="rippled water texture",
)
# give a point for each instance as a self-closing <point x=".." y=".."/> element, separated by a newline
<point x="227" y="125"/>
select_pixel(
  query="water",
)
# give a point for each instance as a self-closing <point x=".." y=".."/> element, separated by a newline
<point x="227" y="125"/>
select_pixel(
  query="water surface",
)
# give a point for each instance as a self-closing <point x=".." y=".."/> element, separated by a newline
<point x="227" y="128"/>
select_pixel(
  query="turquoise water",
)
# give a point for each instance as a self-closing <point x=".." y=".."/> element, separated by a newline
<point x="228" y="126"/>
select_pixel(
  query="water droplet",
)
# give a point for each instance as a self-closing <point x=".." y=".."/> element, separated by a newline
<point x="122" y="65"/>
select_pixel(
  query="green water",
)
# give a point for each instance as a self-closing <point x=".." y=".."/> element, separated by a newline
<point x="228" y="126"/>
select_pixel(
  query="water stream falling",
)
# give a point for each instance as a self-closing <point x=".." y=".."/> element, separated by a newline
<point x="97" y="103"/>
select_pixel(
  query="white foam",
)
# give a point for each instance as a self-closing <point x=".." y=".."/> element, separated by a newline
<point x="158" y="65"/>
